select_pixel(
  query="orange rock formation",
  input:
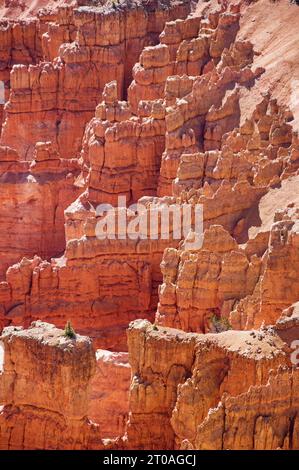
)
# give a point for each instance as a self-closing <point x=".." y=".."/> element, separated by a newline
<point x="45" y="400"/>
<point x="186" y="397"/>
<point x="160" y="102"/>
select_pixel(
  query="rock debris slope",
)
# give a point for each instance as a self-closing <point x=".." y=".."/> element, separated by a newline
<point x="161" y="102"/>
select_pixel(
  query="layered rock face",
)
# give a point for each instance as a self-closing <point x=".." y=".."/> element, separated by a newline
<point x="45" y="401"/>
<point x="148" y="104"/>
<point x="29" y="34"/>
<point x="53" y="100"/>
<point x="277" y="288"/>
<point x="33" y="197"/>
<point x="88" y="398"/>
<point x="100" y="285"/>
<point x="261" y="431"/>
<point x="32" y="108"/>
<point x="58" y="290"/>
<point x="231" y="280"/>
<point x="231" y="390"/>
<point x="196" y="285"/>
<point x="185" y="48"/>
<point x="121" y="152"/>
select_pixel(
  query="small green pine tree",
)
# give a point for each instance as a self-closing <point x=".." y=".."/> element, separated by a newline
<point x="69" y="331"/>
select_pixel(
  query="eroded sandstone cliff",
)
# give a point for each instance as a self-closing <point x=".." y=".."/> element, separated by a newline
<point x="161" y="103"/>
<point x="44" y="389"/>
<point x="187" y="397"/>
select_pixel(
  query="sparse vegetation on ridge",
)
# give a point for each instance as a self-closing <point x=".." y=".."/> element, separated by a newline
<point x="69" y="331"/>
<point x="220" y="324"/>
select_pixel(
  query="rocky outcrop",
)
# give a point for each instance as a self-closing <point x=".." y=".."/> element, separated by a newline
<point x="203" y="108"/>
<point x="198" y="285"/>
<point x="121" y="152"/>
<point x="109" y="281"/>
<point x="20" y="43"/>
<point x="152" y="400"/>
<point x="143" y="102"/>
<point x="251" y="152"/>
<point x="257" y="163"/>
<point x="230" y="280"/>
<point x="186" y="47"/>
<point x="277" y="288"/>
<point x="287" y="327"/>
<point x="63" y="94"/>
<point x="28" y="40"/>
<point x="193" y="380"/>
<point x="138" y="127"/>
<point x="123" y="275"/>
<point x="44" y="390"/>
<point x="229" y="182"/>
<point x="258" y="426"/>
<point x="33" y="198"/>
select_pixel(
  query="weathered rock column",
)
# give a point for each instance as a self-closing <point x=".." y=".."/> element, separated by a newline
<point x="44" y="390"/>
